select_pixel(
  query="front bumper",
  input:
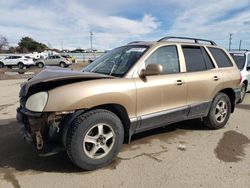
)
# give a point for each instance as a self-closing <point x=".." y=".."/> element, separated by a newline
<point x="31" y="123"/>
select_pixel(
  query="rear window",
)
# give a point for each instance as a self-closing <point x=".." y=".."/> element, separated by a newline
<point x="220" y="57"/>
<point x="239" y="59"/>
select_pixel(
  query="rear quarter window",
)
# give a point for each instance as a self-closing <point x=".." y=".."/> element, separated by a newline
<point x="220" y="57"/>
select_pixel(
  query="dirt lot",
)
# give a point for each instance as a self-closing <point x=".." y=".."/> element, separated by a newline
<point x="180" y="155"/>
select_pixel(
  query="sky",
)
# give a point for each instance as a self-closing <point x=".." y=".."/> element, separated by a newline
<point x="67" y="23"/>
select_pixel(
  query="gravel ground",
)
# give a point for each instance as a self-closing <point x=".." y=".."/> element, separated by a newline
<point x="185" y="154"/>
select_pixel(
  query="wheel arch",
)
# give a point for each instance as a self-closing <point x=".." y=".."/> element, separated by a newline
<point x="231" y="94"/>
<point x="121" y="113"/>
<point x="117" y="109"/>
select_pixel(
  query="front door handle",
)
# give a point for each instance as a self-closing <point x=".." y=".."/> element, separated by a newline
<point x="216" y="78"/>
<point x="179" y="82"/>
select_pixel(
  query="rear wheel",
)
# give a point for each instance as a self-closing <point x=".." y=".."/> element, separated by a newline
<point x="40" y="65"/>
<point x="1" y="65"/>
<point x="242" y="92"/>
<point x="94" y="139"/>
<point x="219" y="112"/>
<point x="62" y="64"/>
<point x="20" y="65"/>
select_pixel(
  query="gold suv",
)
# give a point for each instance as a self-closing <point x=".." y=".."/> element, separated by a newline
<point x="131" y="89"/>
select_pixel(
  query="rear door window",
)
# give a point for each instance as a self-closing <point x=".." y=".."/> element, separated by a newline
<point x="196" y="59"/>
<point x="220" y="57"/>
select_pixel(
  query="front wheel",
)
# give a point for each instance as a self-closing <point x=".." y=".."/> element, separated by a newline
<point x="219" y="112"/>
<point x="94" y="139"/>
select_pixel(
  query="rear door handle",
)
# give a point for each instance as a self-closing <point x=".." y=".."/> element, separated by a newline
<point x="179" y="82"/>
<point x="216" y="78"/>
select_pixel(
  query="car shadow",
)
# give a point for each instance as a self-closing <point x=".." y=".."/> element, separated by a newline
<point x="17" y="154"/>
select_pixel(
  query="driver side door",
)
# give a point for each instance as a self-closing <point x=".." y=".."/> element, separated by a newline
<point x="161" y="99"/>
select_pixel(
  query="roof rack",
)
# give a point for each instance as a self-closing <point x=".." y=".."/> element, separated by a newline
<point x="134" y="42"/>
<point x="196" y="40"/>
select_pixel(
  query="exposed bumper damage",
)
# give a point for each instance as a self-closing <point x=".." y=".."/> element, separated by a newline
<point x="41" y="129"/>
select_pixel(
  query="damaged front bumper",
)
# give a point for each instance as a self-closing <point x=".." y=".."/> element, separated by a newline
<point x="41" y="129"/>
<point x="32" y="125"/>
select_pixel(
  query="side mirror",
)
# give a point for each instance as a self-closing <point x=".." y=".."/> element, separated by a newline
<point x="151" y="69"/>
<point x="248" y="68"/>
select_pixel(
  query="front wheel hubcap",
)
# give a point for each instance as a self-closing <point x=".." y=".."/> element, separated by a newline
<point x="99" y="141"/>
<point x="221" y="111"/>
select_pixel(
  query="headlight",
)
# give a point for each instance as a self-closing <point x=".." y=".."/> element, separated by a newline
<point x="37" y="102"/>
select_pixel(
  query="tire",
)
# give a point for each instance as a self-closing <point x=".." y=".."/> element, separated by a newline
<point x="1" y="65"/>
<point x="219" y="112"/>
<point x="62" y="64"/>
<point x="242" y="92"/>
<point x="21" y="65"/>
<point x="86" y="140"/>
<point x="40" y="65"/>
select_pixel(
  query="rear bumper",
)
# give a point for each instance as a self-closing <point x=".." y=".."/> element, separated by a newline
<point x="237" y="94"/>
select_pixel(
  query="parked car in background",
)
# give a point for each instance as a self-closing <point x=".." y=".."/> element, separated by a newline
<point x="53" y="60"/>
<point x="69" y="57"/>
<point x="16" y="61"/>
<point x="131" y="89"/>
<point x="242" y="59"/>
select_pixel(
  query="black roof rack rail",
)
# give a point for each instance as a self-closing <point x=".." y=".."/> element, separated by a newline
<point x="196" y="40"/>
<point x="134" y="42"/>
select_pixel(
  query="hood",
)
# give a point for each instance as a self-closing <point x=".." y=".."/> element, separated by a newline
<point x="56" y="74"/>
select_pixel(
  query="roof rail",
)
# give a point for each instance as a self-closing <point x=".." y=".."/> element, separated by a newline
<point x="196" y="40"/>
<point x="134" y="42"/>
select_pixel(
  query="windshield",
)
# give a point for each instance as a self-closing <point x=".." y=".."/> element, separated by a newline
<point x="117" y="62"/>
<point x="239" y="59"/>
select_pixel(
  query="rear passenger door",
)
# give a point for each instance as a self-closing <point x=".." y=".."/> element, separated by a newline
<point x="202" y="79"/>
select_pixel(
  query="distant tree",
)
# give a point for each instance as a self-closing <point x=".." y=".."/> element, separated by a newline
<point x="12" y="49"/>
<point x="3" y="42"/>
<point x="27" y="44"/>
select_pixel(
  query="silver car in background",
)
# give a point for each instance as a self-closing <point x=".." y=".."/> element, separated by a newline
<point x="53" y="60"/>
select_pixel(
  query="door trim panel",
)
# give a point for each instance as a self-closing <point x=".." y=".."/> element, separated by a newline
<point x="162" y="118"/>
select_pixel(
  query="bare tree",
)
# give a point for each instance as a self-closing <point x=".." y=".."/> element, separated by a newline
<point x="3" y="42"/>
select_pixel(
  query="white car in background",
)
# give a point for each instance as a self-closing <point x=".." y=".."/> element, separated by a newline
<point x="242" y="59"/>
<point x="16" y="60"/>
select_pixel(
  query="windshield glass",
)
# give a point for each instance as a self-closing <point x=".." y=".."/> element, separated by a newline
<point x="117" y="62"/>
<point x="239" y="59"/>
